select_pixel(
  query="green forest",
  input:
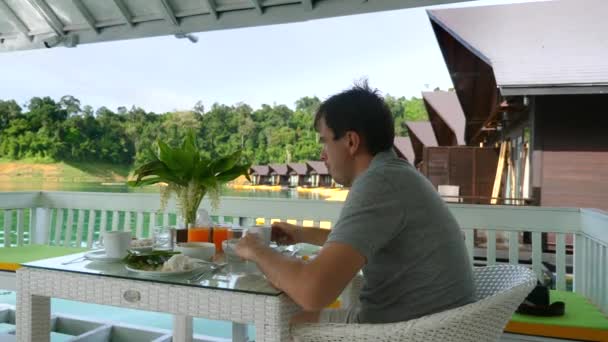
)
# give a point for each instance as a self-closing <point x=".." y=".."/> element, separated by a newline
<point x="48" y="130"/>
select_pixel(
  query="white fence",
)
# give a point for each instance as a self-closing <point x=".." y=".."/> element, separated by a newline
<point x="77" y="218"/>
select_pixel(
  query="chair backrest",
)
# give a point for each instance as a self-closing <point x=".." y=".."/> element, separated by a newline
<point x="499" y="289"/>
<point x="493" y="280"/>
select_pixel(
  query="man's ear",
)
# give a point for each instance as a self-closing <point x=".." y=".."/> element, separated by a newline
<point x="353" y="139"/>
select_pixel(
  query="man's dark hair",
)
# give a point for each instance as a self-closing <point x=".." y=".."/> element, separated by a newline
<point x="362" y="110"/>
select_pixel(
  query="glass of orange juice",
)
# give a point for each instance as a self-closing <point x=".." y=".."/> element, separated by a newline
<point x="199" y="234"/>
<point x="220" y="233"/>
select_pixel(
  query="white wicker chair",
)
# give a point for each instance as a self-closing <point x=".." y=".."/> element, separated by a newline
<point x="500" y="289"/>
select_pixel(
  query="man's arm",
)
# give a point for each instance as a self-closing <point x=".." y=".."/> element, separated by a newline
<point x="312" y="285"/>
<point x="286" y="233"/>
<point x="313" y="235"/>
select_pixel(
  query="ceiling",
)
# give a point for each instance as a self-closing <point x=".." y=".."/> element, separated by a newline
<point x="32" y="24"/>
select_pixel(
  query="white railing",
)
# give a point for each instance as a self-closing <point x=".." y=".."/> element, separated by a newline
<point x="77" y="218"/>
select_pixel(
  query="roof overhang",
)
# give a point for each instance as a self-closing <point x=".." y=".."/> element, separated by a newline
<point x="496" y="53"/>
<point x="553" y="90"/>
<point x="421" y="135"/>
<point x="404" y="147"/>
<point x="32" y="24"/>
<point x="446" y="117"/>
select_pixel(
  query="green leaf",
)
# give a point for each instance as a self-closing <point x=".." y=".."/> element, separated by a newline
<point x="233" y="173"/>
<point x="157" y="168"/>
<point x="168" y="156"/>
<point x="146" y="181"/>
<point x="225" y="163"/>
<point x="189" y="143"/>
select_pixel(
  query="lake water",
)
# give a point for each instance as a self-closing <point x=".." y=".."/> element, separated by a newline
<point x="121" y="187"/>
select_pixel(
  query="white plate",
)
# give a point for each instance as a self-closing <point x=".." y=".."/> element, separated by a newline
<point x="160" y="273"/>
<point x="100" y="255"/>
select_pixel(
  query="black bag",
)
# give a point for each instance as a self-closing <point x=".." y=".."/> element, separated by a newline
<point x="537" y="303"/>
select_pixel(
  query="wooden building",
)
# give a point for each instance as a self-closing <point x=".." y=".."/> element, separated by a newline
<point x="260" y="174"/>
<point x="298" y="174"/>
<point x="421" y="135"/>
<point x="537" y="90"/>
<point x="278" y="174"/>
<point x="468" y="168"/>
<point x="319" y="175"/>
<point x="446" y="117"/>
<point x="403" y="148"/>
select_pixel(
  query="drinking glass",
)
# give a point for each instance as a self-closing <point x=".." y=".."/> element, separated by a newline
<point x="199" y="234"/>
<point x="220" y="233"/>
<point x="162" y="237"/>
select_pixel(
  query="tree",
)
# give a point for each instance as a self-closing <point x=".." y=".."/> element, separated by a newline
<point x="9" y="110"/>
<point x="70" y="104"/>
<point x="67" y="130"/>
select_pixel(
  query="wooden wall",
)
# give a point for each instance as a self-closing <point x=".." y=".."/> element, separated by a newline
<point x="471" y="168"/>
<point x="571" y="150"/>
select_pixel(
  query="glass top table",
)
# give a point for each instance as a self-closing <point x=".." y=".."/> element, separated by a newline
<point x="235" y="276"/>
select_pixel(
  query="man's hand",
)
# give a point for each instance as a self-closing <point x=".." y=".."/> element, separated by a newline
<point x="284" y="233"/>
<point x="248" y="246"/>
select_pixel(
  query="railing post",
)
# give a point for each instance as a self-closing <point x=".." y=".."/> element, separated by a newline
<point x="579" y="262"/>
<point x="39" y="227"/>
<point x="246" y="221"/>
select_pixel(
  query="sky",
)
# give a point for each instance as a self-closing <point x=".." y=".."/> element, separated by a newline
<point x="396" y="51"/>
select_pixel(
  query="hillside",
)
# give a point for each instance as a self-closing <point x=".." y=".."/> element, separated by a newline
<point x="23" y="171"/>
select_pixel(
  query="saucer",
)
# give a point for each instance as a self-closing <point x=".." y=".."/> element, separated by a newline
<point x="100" y="255"/>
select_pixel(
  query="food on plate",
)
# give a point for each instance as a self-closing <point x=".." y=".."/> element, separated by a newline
<point x="159" y="261"/>
<point x="177" y="263"/>
<point x="150" y="261"/>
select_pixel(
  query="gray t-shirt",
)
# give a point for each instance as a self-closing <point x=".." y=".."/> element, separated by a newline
<point x="417" y="263"/>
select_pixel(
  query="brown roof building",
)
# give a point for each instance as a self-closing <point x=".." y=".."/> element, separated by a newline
<point x="278" y="174"/>
<point x="259" y="174"/>
<point x="404" y="149"/>
<point x="533" y="77"/>
<point x="298" y="174"/>
<point x="421" y="135"/>
<point x="261" y="170"/>
<point x="319" y="174"/>
<point x="446" y="117"/>
<point x="297" y="169"/>
<point x="318" y="167"/>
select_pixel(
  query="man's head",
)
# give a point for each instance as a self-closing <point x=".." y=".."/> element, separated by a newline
<point x="354" y="126"/>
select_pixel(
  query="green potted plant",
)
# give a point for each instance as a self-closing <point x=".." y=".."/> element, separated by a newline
<point x="188" y="174"/>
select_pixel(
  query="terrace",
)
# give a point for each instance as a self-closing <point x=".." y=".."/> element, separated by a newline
<point x="74" y="221"/>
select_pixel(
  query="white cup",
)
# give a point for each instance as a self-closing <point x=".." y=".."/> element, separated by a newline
<point x="263" y="232"/>
<point x="116" y="243"/>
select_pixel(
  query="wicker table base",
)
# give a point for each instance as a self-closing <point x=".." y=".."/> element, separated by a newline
<point x="35" y="287"/>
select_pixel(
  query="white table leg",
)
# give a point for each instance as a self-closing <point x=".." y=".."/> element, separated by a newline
<point x="33" y="317"/>
<point x="182" y="328"/>
<point x="239" y="332"/>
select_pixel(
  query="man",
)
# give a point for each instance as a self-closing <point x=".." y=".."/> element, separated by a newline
<point x="393" y="226"/>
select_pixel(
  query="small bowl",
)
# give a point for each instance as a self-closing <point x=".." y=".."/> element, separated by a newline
<point x="197" y="250"/>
